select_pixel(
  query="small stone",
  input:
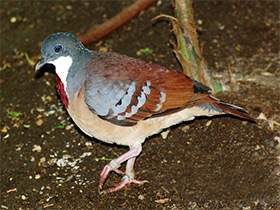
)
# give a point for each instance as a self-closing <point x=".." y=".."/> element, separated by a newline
<point x="61" y="162"/>
<point x="26" y="126"/>
<point x="199" y="22"/>
<point x="159" y="2"/>
<point x="141" y="197"/>
<point x="36" y="148"/>
<point x="103" y="49"/>
<point x="43" y="98"/>
<point x="238" y="47"/>
<point x="88" y="144"/>
<point x="66" y="156"/>
<point x="68" y="127"/>
<point x="221" y="27"/>
<point x="4" y="130"/>
<point x="16" y="125"/>
<point x="161" y="201"/>
<point x="13" y="19"/>
<point x="268" y="24"/>
<point x="185" y="128"/>
<point x="257" y="147"/>
<point x="164" y="134"/>
<point x="75" y="171"/>
<point x="69" y="7"/>
<point x="37" y="176"/>
<point x="23" y="197"/>
<point x="244" y="122"/>
<point x="262" y="117"/>
<point x="267" y="74"/>
<point x="39" y="122"/>
<point x="49" y="98"/>
<point x="18" y="148"/>
<point x="40" y="109"/>
<point x="208" y="123"/>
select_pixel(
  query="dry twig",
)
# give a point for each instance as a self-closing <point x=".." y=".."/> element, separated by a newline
<point x="115" y="22"/>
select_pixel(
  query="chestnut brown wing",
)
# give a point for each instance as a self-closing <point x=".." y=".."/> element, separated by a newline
<point x="125" y="90"/>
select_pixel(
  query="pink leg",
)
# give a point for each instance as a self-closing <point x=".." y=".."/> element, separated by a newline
<point x="130" y="156"/>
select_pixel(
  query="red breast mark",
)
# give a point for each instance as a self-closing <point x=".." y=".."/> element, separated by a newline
<point x="61" y="91"/>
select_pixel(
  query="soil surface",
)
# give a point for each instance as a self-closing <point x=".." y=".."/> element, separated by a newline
<point x="210" y="163"/>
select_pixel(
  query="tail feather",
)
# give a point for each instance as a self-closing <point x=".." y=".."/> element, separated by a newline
<point x="211" y="102"/>
<point x="233" y="110"/>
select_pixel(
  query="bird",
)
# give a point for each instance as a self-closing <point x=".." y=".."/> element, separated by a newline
<point x="123" y="100"/>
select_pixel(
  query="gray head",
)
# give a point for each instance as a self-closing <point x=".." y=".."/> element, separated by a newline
<point x="60" y="45"/>
<point x="68" y="55"/>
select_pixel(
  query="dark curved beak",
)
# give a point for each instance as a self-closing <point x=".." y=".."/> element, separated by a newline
<point x="40" y="64"/>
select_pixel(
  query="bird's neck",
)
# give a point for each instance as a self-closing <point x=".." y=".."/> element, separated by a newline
<point x="70" y="76"/>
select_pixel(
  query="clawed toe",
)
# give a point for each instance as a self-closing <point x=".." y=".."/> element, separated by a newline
<point x="104" y="174"/>
<point x="125" y="183"/>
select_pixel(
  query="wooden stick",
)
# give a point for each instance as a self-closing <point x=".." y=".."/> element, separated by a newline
<point x="115" y="22"/>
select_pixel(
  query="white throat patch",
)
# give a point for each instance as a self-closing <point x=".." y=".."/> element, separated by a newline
<point x="62" y="66"/>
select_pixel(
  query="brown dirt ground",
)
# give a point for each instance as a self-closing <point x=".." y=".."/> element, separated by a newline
<point x="225" y="163"/>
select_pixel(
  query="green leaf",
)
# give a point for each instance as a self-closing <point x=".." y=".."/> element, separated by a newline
<point x="107" y="159"/>
<point x="30" y="62"/>
<point x="14" y="114"/>
<point x="59" y="127"/>
<point x="148" y="50"/>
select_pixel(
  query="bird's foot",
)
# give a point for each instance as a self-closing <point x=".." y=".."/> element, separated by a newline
<point x="112" y="166"/>
<point x="126" y="180"/>
<point x="128" y="177"/>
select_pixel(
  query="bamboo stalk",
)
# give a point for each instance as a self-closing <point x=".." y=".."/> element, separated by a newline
<point x="187" y="48"/>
